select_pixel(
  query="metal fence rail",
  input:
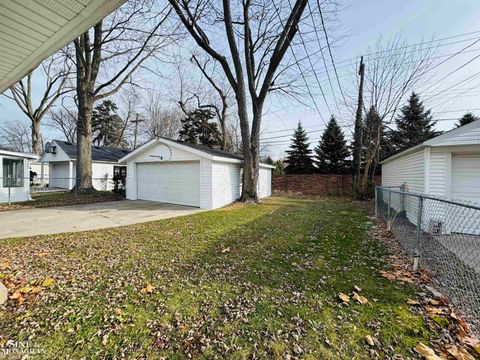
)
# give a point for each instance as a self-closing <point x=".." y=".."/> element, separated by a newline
<point x="441" y="235"/>
<point x="10" y="185"/>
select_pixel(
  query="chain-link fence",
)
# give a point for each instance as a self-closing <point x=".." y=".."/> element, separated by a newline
<point x="443" y="236"/>
<point x="10" y="187"/>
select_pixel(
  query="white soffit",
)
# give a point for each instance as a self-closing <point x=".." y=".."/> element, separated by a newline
<point x="32" y="30"/>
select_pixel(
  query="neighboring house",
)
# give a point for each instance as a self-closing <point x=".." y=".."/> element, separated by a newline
<point x="15" y="176"/>
<point x="447" y="166"/>
<point x="62" y="155"/>
<point x="175" y="172"/>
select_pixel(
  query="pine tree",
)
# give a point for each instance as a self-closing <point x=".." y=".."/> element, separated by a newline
<point x="199" y="129"/>
<point x="299" y="159"/>
<point x="332" y="152"/>
<point x="414" y="126"/>
<point x="466" y="119"/>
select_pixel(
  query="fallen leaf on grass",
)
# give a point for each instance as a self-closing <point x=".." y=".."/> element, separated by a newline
<point x="25" y="290"/>
<point x="5" y="265"/>
<point x="148" y="289"/>
<point x="361" y="299"/>
<point x="459" y="353"/>
<point x="412" y="302"/>
<point x="388" y="275"/>
<point x="226" y="250"/>
<point x="344" y="297"/>
<point x="426" y="352"/>
<point x="369" y="340"/>
<point x="17" y="296"/>
<point x="41" y="254"/>
<point x="434" y="310"/>
<point x="47" y="282"/>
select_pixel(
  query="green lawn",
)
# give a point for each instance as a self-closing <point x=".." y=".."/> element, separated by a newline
<point x="273" y="294"/>
<point x="59" y="198"/>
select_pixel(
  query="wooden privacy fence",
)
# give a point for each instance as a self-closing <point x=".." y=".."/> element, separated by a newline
<point x="315" y="184"/>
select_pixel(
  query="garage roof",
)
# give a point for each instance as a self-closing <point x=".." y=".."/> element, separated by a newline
<point x="214" y="152"/>
<point x="464" y="135"/>
<point x="31" y="31"/>
<point x="197" y="149"/>
<point x="98" y="153"/>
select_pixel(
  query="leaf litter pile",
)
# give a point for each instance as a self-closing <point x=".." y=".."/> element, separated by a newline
<point x="287" y="279"/>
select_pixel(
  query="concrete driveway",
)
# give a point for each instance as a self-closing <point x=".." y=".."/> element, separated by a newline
<point x="71" y="218"/>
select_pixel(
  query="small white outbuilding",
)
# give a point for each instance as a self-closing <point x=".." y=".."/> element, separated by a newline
<point x="15" y="176"/>
<point x="176" y="172"/>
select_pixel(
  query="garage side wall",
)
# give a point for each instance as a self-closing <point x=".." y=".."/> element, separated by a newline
<point x="408" y="170"/>
<point x="265" y="182"/>
<point x="226" y="183"/>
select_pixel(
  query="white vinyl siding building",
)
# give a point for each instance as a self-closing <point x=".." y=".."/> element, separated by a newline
<point x="174" y="172"/>
<point x="61" y="159"/>
<point x="447" y="166"/>
<point x="15" y="176"/>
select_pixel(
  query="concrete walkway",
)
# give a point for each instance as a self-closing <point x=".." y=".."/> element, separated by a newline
<point x="71" y="218"/>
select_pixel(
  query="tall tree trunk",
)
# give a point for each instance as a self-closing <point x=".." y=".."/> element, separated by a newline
<point x="370" y="158"/>
<point x="36" y="137"/>
<point x="84" y="142"/>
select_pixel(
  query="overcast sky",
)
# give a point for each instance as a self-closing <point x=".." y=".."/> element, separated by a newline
<point x="363" y="22"/>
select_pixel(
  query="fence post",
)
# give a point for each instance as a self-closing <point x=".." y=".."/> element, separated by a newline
<point x="418" y="234"/>
<point x="403" y="189"/>
<point x="388" y="210"/>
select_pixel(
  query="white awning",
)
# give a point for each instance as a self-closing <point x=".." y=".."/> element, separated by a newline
<point x="32" y="30"/>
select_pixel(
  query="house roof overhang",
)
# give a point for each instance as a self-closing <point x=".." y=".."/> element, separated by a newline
<point x="31" y="31"/>
<point x="18" y="154"/>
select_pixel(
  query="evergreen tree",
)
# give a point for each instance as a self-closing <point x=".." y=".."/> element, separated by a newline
<point x="107" y="126"/>
<point x="198" y="129"/>
<point x="332" y="152"/>
<point x="466" y="119"/>
<point x="299" y="159"/>
<point x="414" y="125"/>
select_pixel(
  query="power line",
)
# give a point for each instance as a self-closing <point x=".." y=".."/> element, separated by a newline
<point x="323" y="59"/>
<point x="330" y="51"/>
<point x="466" y="80"/>
<point x="452" y="72"/>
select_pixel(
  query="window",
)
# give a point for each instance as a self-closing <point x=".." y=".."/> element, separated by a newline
<point x="12" y="173"/>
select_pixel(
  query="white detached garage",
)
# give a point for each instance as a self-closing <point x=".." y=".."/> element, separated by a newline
<point x="447" y="166"/>
<point x="175" y="172"/>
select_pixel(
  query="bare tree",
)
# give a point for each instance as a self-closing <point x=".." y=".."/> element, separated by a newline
<point x="159" y="121"/>
<point x="259" y="35"/>
<point x="106" y="58"/>
<point x="56" y="74"/>
<point x="16" y="136"/>
<point x="64" y="121"/>
<point x="222" y="108"/>
<point x="387" y="81"/>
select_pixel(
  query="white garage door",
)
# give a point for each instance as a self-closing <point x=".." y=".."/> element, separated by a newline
<point x="466" y="177"/>
<point x="465" y="187"/>
<point x="175" y="183"/>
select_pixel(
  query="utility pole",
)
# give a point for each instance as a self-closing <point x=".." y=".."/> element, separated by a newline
<point x="136" y="121"/>
<point x="358" y="132"/>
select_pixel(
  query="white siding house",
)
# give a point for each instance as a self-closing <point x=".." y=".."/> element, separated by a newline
<point x="447" y="166"/>
<point x="15" y="176"/>
<point x="61" y="157"/>
<point x="175" y="172"/>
